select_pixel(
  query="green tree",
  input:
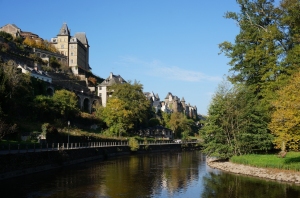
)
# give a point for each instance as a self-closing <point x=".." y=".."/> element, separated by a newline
<point x="134" y="101"/>
<point x="165" y="119"/>
<point x="116" y="116"/>
<point x="14" y="85"/>
<point x="45" y="108"/>
<point x="54" y="63"/>
<point x="153" y="122"/>
<point x="6" y="36"/>
<point x="66" y="103"/>
<point x="262" y="58"/>
<point x="175" y="123"/>
<point x="230" y="126"/>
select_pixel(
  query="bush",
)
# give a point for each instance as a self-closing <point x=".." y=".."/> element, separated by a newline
<point x="6" y="36"/>
<point x="133" y="144"/>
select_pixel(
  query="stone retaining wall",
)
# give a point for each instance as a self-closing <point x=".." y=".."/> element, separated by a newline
<point x="266" y="173"/>
<point x="18" y="164"/>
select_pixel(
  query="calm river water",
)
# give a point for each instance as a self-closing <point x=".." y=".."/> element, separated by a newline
<point x="157" y="175"/>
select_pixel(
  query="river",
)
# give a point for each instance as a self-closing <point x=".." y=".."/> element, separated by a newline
<point x="156" y="175"/>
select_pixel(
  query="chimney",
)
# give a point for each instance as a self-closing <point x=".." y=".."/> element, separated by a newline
<point x="111" y="74"/>
<point x="35" y="67"/>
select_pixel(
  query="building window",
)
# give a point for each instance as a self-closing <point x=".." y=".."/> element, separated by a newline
<point x="100" y="88"/>
<point x="72" y="61"/>
<point x="62" y="46"/>
<point x="72" y="53"/>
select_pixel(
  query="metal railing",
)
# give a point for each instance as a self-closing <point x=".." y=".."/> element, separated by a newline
<point x="42" y="147"/>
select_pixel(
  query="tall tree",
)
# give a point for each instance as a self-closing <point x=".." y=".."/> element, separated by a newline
<point x="134" y="100"/>
<point x="117" y="116"/>
<point x="230" y="126"/>
<point x="285" y="123"/>
<point x="263" y="56"/>
<point x="66" y="102"/>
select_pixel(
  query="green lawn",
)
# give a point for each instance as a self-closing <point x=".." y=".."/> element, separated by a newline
<point x="290" y="162"/>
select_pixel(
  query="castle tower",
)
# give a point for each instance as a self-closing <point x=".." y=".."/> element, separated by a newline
<point x="63" y="38"/>
<point x="183" y="105"/>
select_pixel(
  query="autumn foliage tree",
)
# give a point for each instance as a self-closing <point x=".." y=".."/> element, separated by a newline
<point x="117" y="116"/>
<point x="285" y="122"/>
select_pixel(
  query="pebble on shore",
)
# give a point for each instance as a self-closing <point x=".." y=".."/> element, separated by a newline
<point x="267" y="173"/>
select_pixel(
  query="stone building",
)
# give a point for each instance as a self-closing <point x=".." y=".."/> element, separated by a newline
<point x="173" y="104"/>
<point x="76" y="48"/>
<point x="154" y="100"/>
<point x="103" y="88"/>
<point x="17" y="32"/>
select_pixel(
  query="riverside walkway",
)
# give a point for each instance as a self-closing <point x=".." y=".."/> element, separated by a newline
<point x="45" y="147"/>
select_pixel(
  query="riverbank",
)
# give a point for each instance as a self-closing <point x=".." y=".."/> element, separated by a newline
<point x="266" y="173"/>
<point x="18" y="164"/>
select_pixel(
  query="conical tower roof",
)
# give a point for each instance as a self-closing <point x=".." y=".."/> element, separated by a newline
<point x="64" y="30"/>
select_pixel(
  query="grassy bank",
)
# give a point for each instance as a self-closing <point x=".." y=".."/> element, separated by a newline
<point x="290" y="162"/>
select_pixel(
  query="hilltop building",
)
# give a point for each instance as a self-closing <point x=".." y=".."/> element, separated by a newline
<point x="17" y="32"/>
<point x="173" y="104"/>
<point x="76" y="48"/>
<point x="73" y="50"/>
<point x="154" y="100"/>
<point x="103" y="88"/>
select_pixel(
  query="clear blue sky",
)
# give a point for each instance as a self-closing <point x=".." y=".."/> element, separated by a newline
<point x="166" y="45"/>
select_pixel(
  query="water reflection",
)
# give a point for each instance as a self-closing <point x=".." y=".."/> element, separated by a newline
<point x="237" y="186"/>
<point x="153" y="175"/>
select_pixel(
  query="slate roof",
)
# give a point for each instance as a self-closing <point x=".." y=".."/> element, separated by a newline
<point x="156" y="103"/>
<point x="113" y="79"/>
<point x="167" y="97"/>
<point x="64" y="30"/>
<point x="81" y="37"/>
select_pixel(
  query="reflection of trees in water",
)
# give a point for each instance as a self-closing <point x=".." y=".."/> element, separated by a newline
<point x="237" y="186"/>
<point x="180" y="170"/>
<point x="146" y="175"/>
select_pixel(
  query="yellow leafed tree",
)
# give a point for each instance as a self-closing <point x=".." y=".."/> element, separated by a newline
<point x="30" y="42"/>
<point x="285" y="121"/>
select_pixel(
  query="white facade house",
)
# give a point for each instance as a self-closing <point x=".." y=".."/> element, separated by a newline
<point x="154" y="100"/>
<point x="103" y="91"/>
<point x="35" y="73"/>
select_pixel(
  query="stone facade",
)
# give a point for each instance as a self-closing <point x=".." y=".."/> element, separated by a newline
<point x="173" y="104"/>
<point x="76" y="48"/>
<point x="154" y="100"/>
<point x="17" y="32"/>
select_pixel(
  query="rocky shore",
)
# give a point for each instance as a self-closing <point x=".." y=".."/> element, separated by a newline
<point x="267" y="173"/>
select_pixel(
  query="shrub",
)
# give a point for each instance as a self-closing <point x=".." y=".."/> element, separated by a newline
<point x="133" y="144"/>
